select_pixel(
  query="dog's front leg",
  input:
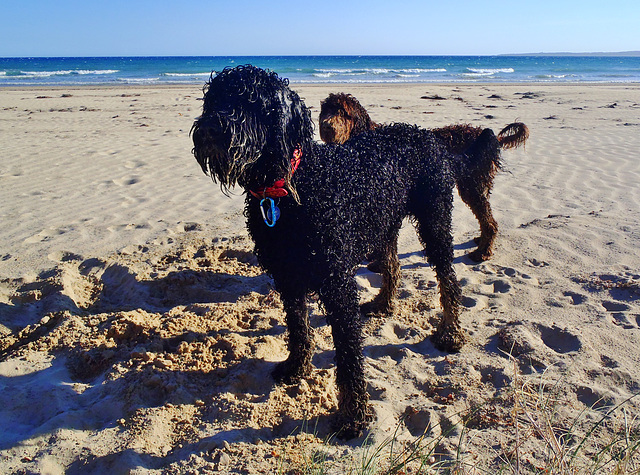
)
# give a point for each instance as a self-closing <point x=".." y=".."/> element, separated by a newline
<point x="298" y="363"/>
<point x="354" y="412"/>
<point x="478" y="201"/>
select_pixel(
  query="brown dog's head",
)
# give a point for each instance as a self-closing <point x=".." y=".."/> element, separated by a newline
<point x="342" y="117"/>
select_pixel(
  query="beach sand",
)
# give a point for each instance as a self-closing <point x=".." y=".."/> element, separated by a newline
<point x="137" y="333"/>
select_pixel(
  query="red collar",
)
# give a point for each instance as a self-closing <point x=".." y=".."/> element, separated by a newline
<point x="277" y="190"/>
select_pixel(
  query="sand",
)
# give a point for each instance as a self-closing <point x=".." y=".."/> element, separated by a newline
<point x="137" y="332"/>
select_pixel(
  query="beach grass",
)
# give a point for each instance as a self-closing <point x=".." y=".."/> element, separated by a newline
<point x="570" y="447"/>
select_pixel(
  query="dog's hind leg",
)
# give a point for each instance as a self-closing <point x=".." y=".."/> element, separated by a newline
<point x="298" y="363"/>
<point x="434" y="228"/>
<point x="389" y="265"/>
<point x="340" y="299"/>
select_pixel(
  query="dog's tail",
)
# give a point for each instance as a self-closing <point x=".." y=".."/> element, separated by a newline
<point x="513" y="135"/>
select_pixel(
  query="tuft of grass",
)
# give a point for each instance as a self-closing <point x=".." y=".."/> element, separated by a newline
<point x="601" y="439"/>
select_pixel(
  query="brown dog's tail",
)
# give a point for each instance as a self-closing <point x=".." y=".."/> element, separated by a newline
<point x="513" y="135"/>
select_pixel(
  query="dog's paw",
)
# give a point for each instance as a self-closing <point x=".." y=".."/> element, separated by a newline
<point x="290" y="372"/>
<point x="480" y="255"/>
<point x="376" y="308"/>
<point x="347" y="427"/>
<point x="375" y="267"/>
<point x="449" y="338"/>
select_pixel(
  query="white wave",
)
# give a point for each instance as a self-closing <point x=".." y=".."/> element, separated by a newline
<point x="388" y="80"/>
<point x="44" y="74"/>
<point x="554" y="76"/>
<point x="334" y="71"/>
<point x="328" y="74"/>
<point x="491" y="71"/>
<point x="420" y="70"/>
<point x="97" y="71"/>
<point x="67" y="72"/>
<point x="476" y="75"/>
<point x="378" y="71"/>
<point x="186" y="75"/>
<point x="137" y="80"/>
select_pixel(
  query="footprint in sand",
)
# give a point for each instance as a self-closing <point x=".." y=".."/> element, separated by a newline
<point x="482" y="292"/>
<point x="64" y="256"/>
<point x="619" y="311"/>
<point x="398" y="339"/>
<point x="615" y="306"/>
<point x="507" y="277"/>
<point x="576" y="298"/>
<point x="559" y="340"/>
<point x="501" y="286"/>
<point x="126" y="181"/>
<point x="476" y="302"/>
<point x="537" y="263"/>
<point x="44" y="235"/>
<point x="593" y="396"/>
<point x="620" y="294"/>
<point x="131" y="164"/>
<point x="475" y="293"/>
<point x="537" y="345"/>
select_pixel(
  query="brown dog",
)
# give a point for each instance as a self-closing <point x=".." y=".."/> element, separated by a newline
<point x="343" y="117"/>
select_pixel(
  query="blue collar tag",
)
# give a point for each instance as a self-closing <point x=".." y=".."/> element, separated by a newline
<point x="270" y="212"/>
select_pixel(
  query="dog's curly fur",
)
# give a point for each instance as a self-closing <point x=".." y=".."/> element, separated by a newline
<point x="345" y="202"/>
<point x="342" y="117"/>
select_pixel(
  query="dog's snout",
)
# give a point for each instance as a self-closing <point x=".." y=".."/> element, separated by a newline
<point x="213" y="125"/>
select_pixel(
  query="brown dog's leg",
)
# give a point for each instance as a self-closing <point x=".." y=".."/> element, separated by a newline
<point x="479" y="204"/>
<point x="488" y="231"/>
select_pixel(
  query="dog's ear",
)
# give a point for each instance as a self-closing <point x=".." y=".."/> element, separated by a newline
<point x="362" y="119"/>
<point x="298" y="135"/>
<point x="299" y="123"/>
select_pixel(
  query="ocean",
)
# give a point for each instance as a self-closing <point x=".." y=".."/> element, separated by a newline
<point x="322" y="69"/>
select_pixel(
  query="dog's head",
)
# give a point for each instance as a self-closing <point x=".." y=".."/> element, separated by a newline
<point x="343" y="117"/>
<point x="251" y="123"/>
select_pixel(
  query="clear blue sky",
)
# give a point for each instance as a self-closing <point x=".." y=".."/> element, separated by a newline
<point x="272" y="27"/>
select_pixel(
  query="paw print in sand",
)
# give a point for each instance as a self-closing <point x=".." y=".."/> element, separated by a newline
<point x="618" y="294"/>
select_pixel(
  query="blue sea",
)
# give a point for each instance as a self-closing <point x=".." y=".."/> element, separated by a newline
<point x="322" y="69"/>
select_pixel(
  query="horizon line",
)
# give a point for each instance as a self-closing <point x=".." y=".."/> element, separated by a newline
<point x="630" y="53"/>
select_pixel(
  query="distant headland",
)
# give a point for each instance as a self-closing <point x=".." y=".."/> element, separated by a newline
<point x="614" y="54"/>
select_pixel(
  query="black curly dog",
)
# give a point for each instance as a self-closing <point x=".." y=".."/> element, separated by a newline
<point x="342" y="117"/>
<point x="315" y="211"/>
